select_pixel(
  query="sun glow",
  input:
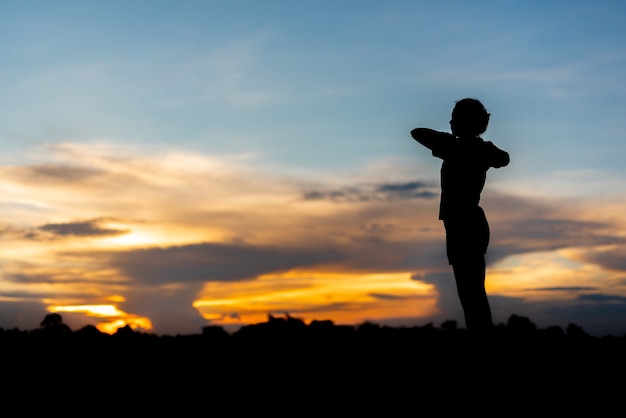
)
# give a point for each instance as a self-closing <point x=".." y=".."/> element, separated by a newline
<point x="142" y="324"/>
<point x="98" y="311"/>
<point x="118" y="318"/>
<point x="143" y="235"/>
<point x="132" y="239"/>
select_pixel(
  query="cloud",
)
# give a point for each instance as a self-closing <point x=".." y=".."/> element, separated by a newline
<point x="206" y="262"/>
<point x="51" y="173"/>
<point x="90" y="228"/>
<point x="565" y="289"/>
<point x="95" y="228"/>
<point x="390" y="297"/>
<point x="66" y="282"/>
<point x="602" y="298"/>
<point x="375" y="192"/>
<point x="25" y="278"/>
<point x="611" y="257"/>
<point x="528" y="224"/>
<point x="169" y="308"/>
<point x="562" y="232"/>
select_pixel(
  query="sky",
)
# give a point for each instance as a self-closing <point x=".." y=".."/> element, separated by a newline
<point x="169" y="165"/>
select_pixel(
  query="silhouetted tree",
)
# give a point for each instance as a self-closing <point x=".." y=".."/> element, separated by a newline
<point x="554" y="332"/>
<point x="521" y="325"/>
<point x="575" y="331"/>
<point x="274" y="328"/>
<point x="125" y="331"/>
<point x="89" y="331"/>
<point x="53" y="324"/>
<point x="367" y="327"/>
<point x="450" y="325"/>
<point x="215" y="332"/>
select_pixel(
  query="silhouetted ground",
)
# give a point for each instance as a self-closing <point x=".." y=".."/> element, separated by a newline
<point x="287" y="367"/>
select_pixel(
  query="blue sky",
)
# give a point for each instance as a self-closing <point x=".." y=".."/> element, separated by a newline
<point x="289" y="79"/>
<point x="221" y="114"/>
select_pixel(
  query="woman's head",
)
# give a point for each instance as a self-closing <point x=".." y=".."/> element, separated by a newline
<point x="469" y="118"/>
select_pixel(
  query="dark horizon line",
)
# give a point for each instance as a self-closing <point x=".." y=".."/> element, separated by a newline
<point x="52" y="324"/>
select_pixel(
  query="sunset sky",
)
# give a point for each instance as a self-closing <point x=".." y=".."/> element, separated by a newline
<point x="174" y="164"/>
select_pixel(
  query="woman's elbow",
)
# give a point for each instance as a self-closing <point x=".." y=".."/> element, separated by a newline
<point x="419" y="134"/>
<point x="504" y="160"/>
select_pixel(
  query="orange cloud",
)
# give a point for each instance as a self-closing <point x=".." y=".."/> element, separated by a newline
<point x="342" y="297"/>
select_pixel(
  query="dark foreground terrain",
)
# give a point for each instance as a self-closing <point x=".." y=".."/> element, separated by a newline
<point x="288" y="368"/>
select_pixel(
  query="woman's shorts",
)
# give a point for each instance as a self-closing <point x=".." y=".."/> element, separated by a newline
<point x="467" y="236"/>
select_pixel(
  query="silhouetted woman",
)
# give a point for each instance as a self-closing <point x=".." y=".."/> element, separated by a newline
<point x="466" y="159"/>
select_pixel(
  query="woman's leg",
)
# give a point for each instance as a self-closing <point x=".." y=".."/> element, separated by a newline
<point x="467" y="240"/>
<point x="470" y="282"/>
